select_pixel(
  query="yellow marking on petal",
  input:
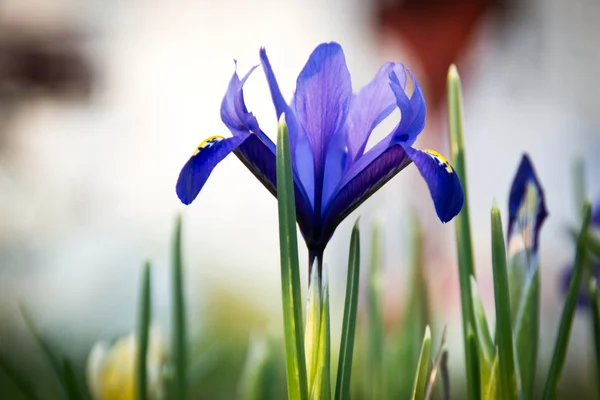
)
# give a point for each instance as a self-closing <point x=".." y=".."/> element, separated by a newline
<point x="208" y="142"/>
<point x="440" y="159"/>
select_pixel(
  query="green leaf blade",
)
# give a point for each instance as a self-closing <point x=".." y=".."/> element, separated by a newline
<point x="179" y="337"/>
<point x="507" y="373"/>
<point x="344" y="372"/>
<point x="144" y="318"/>
<point x="290" y="274"/>
<point x="526" y="335"/>
<point x="421" y="377"/>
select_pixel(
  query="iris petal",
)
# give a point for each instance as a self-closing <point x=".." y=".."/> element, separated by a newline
<point x="370" y="106"/>
<point x="526" y="206"/>
<point x="323" y="93"/>
<point x="361" y="185"/>
<point x="299" y="145"/>
<point x="198" y="168"/>
<point x="233" y="109"/>
<point x="413" y="110"/>
<point x="443" y="182"/>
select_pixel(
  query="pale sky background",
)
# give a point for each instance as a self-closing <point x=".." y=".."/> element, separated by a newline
<point x="88" y="189"/>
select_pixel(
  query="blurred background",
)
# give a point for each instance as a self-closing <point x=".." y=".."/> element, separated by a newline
<point x="102" y="102"/>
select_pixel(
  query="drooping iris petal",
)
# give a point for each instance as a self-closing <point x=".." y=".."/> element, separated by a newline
<point x="233" y="109"/>
<point x="323" y="93"/>
<point x="302" y="158"/>
<point x="196" y="171"/>
<point x="526" y="206"/>
<point x="413" y="110"/>
<point x="362" y="184"/>
<point x="443" y="182"/>
<point x="370" y="106"/>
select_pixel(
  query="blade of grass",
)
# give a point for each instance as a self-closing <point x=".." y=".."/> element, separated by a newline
<point x="508" y="377"/>
<point x="421" y="377"/>
<point x="290" y="273"/>
<point x="179" y="338"/>
<point x="71" y="385"/>
<point x="566" y="320"/>
<point x="595" y="322"/>
<point x="20" y="381"/>
<point x="344" y="372"/>
<point x="466" y="267"/>
<point x="375" y="328"/>
<point x="144" y="317"/>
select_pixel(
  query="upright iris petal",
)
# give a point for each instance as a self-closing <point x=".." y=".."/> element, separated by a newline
<point x="527" y="212"/>
<point x="329" y="128"/>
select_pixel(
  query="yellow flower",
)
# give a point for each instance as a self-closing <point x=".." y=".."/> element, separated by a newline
<point x="111" y="371"/>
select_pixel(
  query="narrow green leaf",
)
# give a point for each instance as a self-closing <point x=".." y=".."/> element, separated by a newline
<point x="526" y="334"/>
<point x="344" y="372"/>
<point x="322" y="384"/>
<point x="144" y="318"/>
<point x="475" y="381"/>
<point x="49" y="354"/>
<point x="492" y="389"/>
<point x="482" y="329"/>
<point x="508" y="377"/>
<point x="485" y="344"/>
<point x="375" y="322"/>
<point x="595" y="322"/>
<point x="566" y="320"/>
<point x="179" y="336"/>
<point x="421" y="377"/>
<point x="437" y="365"/>
<point x="20" y="381"/>
<point x="290" y="273"/>
<point x="71" y="386"/>
<point x="466" y="264"/>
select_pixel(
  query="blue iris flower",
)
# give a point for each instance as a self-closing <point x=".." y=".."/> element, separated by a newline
<point x="329" y="127"/>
